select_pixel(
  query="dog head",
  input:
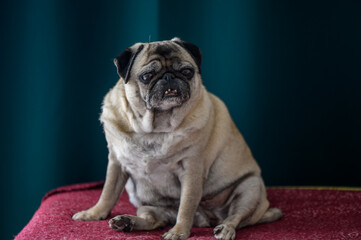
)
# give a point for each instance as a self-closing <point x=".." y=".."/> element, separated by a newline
<point x="163" y="75"/>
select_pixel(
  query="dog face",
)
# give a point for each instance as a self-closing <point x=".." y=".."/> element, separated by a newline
<point x="163" y="75"/>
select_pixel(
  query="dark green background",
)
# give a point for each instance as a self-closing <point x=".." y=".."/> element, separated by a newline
<point x="289" y="71"/>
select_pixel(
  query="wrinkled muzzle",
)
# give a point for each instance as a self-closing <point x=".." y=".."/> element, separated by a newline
<point x="167" y="93"/>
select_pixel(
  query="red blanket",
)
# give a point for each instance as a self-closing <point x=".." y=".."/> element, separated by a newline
<point x="308" y="214"/>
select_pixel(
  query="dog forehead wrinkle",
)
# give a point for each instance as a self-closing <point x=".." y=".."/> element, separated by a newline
<point x="164" y="50"/>
<point x="153" y="65"/>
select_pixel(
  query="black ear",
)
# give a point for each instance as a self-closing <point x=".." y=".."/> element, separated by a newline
<point x="193" y="50"/>
<point x="124" y="62"/>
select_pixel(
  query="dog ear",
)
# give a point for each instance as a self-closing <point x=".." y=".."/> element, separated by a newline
<point x="192" y="49"/>
<point x="124" y="62"/>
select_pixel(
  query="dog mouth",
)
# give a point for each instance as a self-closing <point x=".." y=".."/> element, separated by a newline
<point x="171" y="93"/>
<point x="166" y="95"/>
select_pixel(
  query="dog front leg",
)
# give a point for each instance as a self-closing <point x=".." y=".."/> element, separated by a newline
<point x="114" y="185"/>
<point x="191" y="194"/>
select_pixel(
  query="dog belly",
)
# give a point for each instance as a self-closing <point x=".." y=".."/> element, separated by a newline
<point x="154" y="190"/>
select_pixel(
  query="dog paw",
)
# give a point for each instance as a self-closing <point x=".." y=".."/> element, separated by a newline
<point x="224" y="232"/>
<point x="176" y="233"/>
<point x="123" y="223"/>
<point x="90" y="215"/>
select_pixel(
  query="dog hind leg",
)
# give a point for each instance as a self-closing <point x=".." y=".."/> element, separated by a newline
<point x="148" y="218"/>
<point x="244" y="204"/>
<point x="272" y="214"/>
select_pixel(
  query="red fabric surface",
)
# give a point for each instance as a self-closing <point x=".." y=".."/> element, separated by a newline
<point x="308" y="214"/>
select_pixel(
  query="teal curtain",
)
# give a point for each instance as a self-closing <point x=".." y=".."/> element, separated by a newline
<point x="289" y="71"/>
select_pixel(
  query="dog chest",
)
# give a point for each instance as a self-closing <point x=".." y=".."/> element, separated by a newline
<point x="149" y="154"/>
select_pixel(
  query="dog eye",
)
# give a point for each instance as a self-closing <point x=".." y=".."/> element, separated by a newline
<point x="146" y="77"/>
<point x="188" y="73"/>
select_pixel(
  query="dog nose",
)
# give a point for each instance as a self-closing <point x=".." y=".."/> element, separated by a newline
<point x="168" y="76"/>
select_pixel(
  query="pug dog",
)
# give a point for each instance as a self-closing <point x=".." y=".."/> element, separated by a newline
<point x="175" y="149"/>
